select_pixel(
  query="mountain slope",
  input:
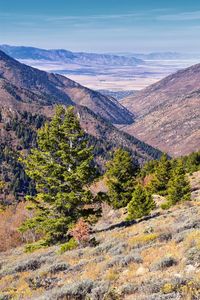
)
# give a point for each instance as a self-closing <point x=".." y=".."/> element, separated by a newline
<point x="168" y="112"/>
<point x="27" y="100"/>
<point x="23" y="88"/>
<point x="53" y="88"/>
<point x="154" y="258"/>
<point x="80" y="58"/>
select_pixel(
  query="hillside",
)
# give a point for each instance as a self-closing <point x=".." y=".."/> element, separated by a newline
<point x="18" y="133"/>
<point x="151" y="259"/>
<point x="27" y="99"/>
<point x="168" y="112"/>
<point x="79" y="58"/>
<point x="52" y="88"/>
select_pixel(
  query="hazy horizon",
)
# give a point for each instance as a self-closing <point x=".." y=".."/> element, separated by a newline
<point x="101" y="51"/>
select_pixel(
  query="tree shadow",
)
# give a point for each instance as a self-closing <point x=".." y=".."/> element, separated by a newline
<point x="126" y="224"/>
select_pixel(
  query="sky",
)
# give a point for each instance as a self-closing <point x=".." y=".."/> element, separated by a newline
<point x="102" y="25"/>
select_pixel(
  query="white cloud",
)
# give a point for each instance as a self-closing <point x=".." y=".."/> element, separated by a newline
<point x="184" y="16"/>
<point x="96" y="17"/>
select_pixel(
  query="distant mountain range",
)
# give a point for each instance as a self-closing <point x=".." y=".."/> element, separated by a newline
<point x="122" y="71"/>
<point x="168" y="112"/>
<point x="161" y="55"/>
<point x="28" y="83"/>
<point x="91" y="59"/>
<point x="65" y="56"/>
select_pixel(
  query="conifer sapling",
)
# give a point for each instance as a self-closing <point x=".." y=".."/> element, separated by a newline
<point x="141" y="204"/>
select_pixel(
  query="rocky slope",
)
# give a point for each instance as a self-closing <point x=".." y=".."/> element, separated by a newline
<point x="156" y="258"/>
<point x="168" y="112"/>
<point x="29" y="83"/>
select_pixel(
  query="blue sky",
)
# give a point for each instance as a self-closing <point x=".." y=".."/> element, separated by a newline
<point x="102" y="25"/>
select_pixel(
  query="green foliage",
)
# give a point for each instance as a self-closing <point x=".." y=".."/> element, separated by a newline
<point x="120" y="174"/>
<point x="169" y="177"/>
<point x="161" y="176"/>
<point x="62" y="168"/>
<point x="20" y="134"/>
<point x="148" y="168"/>
<point x="70" y="245"/>
<point x="25" y="126"/>
<point x="165" y="205"/>
<point x="192" y="162"/>
<point x="141" y="204"/>
<point x="29" y="248"/>
<point x="13" y="175"/>
<point x="178" y="186"/>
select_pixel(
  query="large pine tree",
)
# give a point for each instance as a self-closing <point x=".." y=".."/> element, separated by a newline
<point x="120" y="178"/>
<point x="62" y="167"/>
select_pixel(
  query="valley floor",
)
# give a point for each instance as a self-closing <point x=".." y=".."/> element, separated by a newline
<point x="114" y="78"/>
<point x="155" y="258"/>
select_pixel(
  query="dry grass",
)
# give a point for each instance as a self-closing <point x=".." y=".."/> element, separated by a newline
<point x="103" y="263"/>
<point x="193" y="239"/>
<point x="10" y="220"/>
<point x="142" y="239"/>
<point x="112" y="274"/>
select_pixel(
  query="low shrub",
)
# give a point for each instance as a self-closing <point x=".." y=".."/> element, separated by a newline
<point x="165" y="237"/>
<point x="164" y="263"/>
<point x="70" y="245"/>
<point x="99" y="290"/>
<point x="193" y="257"/>
<point x="168" y="288"/>
<point x="141" y="240"/>
<point x="165" y="205"/>
<point x="123" y="261"/>
<point x="81" y="232"/>
<point x="58" y="267"/>
<point x="29" y="248"/>
<point x="42" y="282"/>
<point x="129" y="289"/>
<point x="118" y="249"/>
<point x="79" y="290"/>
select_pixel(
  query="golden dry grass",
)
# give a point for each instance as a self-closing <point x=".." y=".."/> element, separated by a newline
<point x="142" y="237"/>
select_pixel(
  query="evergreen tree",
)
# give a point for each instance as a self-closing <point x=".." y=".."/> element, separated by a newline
<point x="141" y="204"/>
<point x="120" y="178"/>
<point x="192" y="162"/>
<point x="161" y="176"/>
<point x="178" y="186"/>
<point x="62" y="167"/>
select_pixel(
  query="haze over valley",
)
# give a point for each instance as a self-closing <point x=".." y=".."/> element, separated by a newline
<point x="115" y="72"/>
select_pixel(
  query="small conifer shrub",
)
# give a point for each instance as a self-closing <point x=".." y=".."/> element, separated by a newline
<point x="141" y="204"/>
<point x="120" y="174"/>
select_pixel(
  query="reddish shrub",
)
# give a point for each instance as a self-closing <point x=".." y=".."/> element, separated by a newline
<point x="81" y="232"/>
